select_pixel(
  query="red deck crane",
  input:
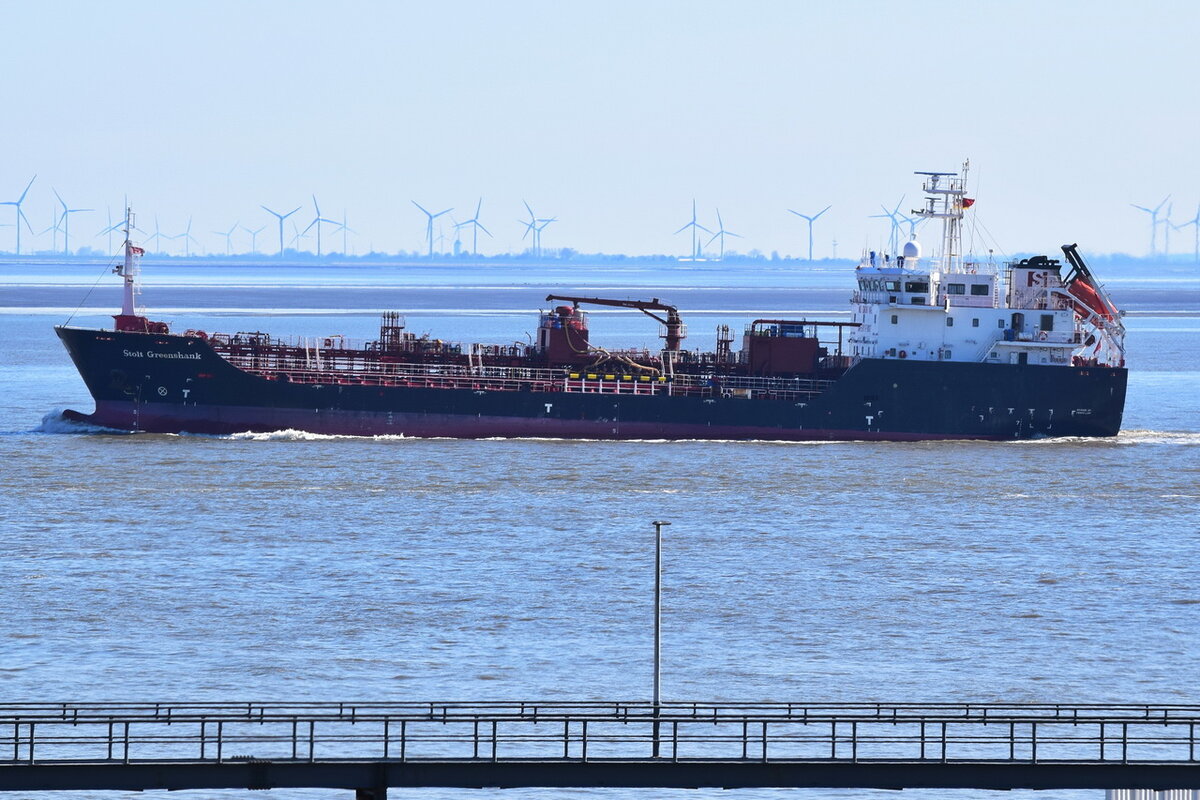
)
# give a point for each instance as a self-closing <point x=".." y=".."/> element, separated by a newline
<point x="676" y="331"/>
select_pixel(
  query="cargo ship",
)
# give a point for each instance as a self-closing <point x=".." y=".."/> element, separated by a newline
<point x="935" y="348"/>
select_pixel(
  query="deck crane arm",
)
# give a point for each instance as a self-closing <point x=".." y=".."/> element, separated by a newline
<point x="674" y="324"/>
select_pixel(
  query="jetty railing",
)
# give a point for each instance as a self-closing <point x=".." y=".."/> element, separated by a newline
<point x="129" y="733"/>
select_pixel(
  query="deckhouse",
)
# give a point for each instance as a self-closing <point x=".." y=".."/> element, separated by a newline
<point x="908" y="306"/>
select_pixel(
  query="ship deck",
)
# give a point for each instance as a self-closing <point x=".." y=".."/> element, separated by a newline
<point x="352" y="368"/>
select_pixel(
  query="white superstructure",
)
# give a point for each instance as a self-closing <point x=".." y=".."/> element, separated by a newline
<point x="909" y="306"/>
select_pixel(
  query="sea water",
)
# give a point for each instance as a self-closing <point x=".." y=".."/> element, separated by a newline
<point x="289" y="566"/>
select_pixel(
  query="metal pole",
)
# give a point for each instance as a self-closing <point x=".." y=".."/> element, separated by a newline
<point x="658" y="526"/>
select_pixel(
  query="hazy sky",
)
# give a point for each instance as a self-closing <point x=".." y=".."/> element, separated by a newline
<point x="609" y="115"/>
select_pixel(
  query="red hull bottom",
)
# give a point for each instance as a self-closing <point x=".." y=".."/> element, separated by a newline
<point x="173" y="418"/>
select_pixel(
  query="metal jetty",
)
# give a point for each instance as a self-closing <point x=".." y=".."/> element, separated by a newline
<point x="370" y="747"/>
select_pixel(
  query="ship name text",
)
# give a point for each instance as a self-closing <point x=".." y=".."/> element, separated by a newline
<point x="153" y="354"/>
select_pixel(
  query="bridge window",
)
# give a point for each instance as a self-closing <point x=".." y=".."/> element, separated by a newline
<point x="979" y="289"/>
<point x="895" y="319"/>
<point x="949" y="322"/>
<point x="1047" y="322"/>
<point x="956" y="288"/>
<point x="893" y="286"/>
<point x="916" y="286"/>
<point x="999" y="323"/>
<point x="975" y="322"/>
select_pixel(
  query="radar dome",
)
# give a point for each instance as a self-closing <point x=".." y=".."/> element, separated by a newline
<point x="912" y="249"/>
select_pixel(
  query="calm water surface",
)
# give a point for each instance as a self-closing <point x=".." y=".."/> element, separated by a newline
<point x="289" y="566"/>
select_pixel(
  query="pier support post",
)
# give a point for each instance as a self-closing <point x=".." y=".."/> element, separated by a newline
<point x="658" y="526"/>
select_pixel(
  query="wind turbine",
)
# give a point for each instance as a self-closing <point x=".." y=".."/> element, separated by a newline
<point x="722" y="233"/>
<point x="811" y="220"/>
<point x="228" y="237"/>
<point x="1153" y="222"/>
<point x="254" y="237"/>
<point x="187" y="238"/>
<point x="695" y="226"/>
<point x="344" y="228"/>
<point x="533" y="226"/>
<point x="476" y="227"/>
<point x="913" y="223"/>
<point x="66" y="218"/>
<point x="894" y="236"/>
<point x="296" y="235"/>
<point x="537" y="232"/>
<point x="281" y="217"/>
<point x="441" y="238"/>
<point x="1167" y="224"/>
<point x="457" y="227"/>
<point x="530" y="227"/>
<point x="1195" y="223"/>
<point x="157" y="237"/>
<point x="111" y="228"/>
<point x="56" y="227"/>
<point x="429" y="225"/>
<point x="317" y="220"/>
<point x="16" y="204"/>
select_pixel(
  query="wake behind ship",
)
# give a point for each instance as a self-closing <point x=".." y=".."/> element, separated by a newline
<point x="937" y="349"/>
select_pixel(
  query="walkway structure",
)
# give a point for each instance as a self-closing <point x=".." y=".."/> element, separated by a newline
<point x="370" y="747"/>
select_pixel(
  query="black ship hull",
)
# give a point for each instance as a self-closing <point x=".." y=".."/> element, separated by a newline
<point x="172" y="384"/>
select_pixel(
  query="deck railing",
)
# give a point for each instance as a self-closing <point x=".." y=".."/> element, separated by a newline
<point x="488" y="378"/>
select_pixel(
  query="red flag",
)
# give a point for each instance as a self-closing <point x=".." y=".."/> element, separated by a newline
<point x="137" y="251"/>
<point x="967" y="202"/>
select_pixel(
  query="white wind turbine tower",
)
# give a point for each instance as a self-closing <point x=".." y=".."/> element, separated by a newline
<point x="16" y="204"/>
<point x="810" y="220"/>
<point x="254" y="237"/>
<point x="721" y="234"/>
<point x="317" y="220"/>
<point x="1153" y="223"/>
<point x="66" y="218"/>
<point x="429" y="224"/>
<point x="281" y="218"/>
<point x="696" y="228"/>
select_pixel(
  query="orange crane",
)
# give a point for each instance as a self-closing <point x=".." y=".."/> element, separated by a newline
<point x="676" y="331"/>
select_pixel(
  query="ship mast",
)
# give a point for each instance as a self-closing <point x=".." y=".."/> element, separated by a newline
<point x="944" y="200"/>
<point x="129" y="270"/>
